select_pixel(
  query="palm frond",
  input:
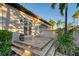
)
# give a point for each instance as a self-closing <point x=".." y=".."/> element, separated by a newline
<point x="76" y="15"/>
<point x="77" y="5"/>
<point x="53" y="5"/>
<point x="62" y="7"/>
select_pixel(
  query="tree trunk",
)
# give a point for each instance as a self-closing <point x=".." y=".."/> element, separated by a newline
<point x="66" y="9"/>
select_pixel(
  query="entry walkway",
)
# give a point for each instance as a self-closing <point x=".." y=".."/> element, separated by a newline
<point x="39" y="45"/>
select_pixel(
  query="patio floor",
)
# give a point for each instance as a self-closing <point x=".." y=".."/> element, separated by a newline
<point x="38" y="41"/>
<point x="40" y="45"/>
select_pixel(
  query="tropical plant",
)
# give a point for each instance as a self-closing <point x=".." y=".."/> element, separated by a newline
<point x="52" y="22"/>
<point x="59" y="23"/>
<point x="65" y="44"/>
<point x="72" y="30"/>
<point x="5" y="42"/>
<point x="65" y="41"/>
<point x="59" y="30"/>
<point x="62" y="7"/>
<point x="76" y="15"/>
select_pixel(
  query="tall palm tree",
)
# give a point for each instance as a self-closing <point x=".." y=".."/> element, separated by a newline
<point x="62" y="7"/>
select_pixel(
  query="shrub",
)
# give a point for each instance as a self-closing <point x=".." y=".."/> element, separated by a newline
<point x="65" y="44"/>
<point x="5" y="42"/>
<point x="59" y="31"/>
<point x="72" y="30"/>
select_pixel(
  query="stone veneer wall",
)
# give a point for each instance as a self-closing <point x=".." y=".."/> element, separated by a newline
<point x="13" y="16"/>
<point x="11" y="19"/>
<point x="35" y="21"/>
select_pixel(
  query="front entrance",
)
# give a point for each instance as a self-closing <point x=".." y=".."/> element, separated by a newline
<point x="27" y="27"/>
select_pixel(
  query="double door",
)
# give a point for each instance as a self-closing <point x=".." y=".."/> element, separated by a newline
<point x="27" y="27"/>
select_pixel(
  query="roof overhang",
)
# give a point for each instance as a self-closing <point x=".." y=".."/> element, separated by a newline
<point x="21" y="8"/>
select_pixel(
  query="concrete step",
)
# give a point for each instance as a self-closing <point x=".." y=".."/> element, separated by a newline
<point x="35" y="45"/>
<point x="52" y="50"/>
<point x="47" y="48"/>
<point x="36" y="51"/>
<point x="18" y="51"/>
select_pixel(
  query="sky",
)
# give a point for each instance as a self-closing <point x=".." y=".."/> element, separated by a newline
<point x="46" y="12"/>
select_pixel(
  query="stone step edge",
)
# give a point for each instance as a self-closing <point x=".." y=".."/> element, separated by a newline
<point x="16" y="50"/>
<point x="33" y="46"/>
<point x="34" y="49"/>
<point x="49" y="47"/>
<point x="51" y="50"/>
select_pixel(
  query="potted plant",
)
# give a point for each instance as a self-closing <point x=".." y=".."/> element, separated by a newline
<point x="21" y="37"/>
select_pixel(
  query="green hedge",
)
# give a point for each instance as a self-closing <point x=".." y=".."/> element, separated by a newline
<point x="5" y="42"/>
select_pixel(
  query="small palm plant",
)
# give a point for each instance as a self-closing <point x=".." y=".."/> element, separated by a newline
<point x="65" y="43"/>
<point x="5" y="42"/>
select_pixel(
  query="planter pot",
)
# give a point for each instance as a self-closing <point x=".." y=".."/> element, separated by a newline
<point x="21" y="37"/>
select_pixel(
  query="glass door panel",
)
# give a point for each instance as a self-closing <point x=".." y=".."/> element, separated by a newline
<point x="27" y="27"/>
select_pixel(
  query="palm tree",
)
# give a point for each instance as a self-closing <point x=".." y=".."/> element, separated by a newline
<point x="62" y="7"/>
<point x="52" y="22"/>
<point x="76" y="15"/>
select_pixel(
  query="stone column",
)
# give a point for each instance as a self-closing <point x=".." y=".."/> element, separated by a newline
<point x="33" y="31"/>
<point x="7" y="17"/>
<point x="38" y="29"/>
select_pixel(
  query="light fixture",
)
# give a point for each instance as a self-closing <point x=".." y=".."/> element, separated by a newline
<point x="27" y="53"/>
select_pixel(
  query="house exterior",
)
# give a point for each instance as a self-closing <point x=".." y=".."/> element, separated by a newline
<point x="16" y="18"/>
